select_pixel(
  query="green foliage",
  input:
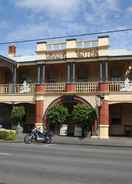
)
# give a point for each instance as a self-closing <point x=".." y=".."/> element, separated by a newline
<point x="7" y="134"/>
<point x="57" y="116"/>
<point x="17" y="114"/>
<point x="83" y="115"/>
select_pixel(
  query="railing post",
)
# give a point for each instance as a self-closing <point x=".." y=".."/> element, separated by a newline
<point x="40" y="89"/>
<point x="104" y="87"/>
<point x="70" y="87"/>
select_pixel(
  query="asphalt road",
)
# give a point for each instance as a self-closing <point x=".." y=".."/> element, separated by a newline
<point x="64" y="164"/>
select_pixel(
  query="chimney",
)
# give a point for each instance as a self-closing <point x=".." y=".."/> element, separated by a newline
<point x="12" y="50"/>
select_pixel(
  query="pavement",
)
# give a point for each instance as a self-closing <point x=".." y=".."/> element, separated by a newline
<point x="89" y="141"/>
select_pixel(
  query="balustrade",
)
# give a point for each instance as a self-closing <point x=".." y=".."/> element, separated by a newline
<point x="81" y="87"/>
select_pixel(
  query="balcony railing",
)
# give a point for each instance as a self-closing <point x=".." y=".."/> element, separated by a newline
<point x="88" y="87"/>
<point x="18" y="89"/>
<point x="120" y="86"/>
<point x="81" y="87"/>
<point x="55" y="87"/>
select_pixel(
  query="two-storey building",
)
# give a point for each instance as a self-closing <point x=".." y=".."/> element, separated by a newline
<point x="96" y="75"/>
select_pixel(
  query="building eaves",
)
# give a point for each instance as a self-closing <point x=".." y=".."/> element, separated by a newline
<point x="11" y="61"/>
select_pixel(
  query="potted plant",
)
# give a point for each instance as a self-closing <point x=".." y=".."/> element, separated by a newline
<point x="17" y="115"/>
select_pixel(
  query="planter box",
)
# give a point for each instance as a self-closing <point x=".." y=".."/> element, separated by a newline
<point x="77" y="131"/>
<point x="63" y="129"/>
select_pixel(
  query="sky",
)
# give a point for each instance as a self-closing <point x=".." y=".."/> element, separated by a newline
<point x="29" y="19"/>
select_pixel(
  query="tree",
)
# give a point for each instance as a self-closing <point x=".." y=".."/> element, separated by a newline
<point x="17" y="115"/>
<point x="57" y="116"/>
<point x="84" y="116"/>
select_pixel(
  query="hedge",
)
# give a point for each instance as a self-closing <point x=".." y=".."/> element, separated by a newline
<point x="7" y="134"/>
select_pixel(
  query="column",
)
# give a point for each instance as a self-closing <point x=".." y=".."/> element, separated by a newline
<point x="70" y="86"/>
<point x="104" y="71"/>
<point x="104" y="120"/>
<point x="43" y="73"/>
<point x="73" y="73"/>
<point x="104" y="87"/>
<point x="39" y="108"/>
<point x="68" y="72"/>
<point x="40" y="88"/>
<point x="38" y="74"/>
<point x="39" y="105"/>
<point x="14" y="79"/>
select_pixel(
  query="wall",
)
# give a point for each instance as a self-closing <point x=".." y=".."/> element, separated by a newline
<point x="87" y="72"/>
<point x="125" y="113"/>
<point x="56" y="73"/>
<point x="27" y="72"/>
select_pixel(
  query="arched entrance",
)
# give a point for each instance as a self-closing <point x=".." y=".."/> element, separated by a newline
<point x="68" y="101"/>
<point x="121" y="119"/>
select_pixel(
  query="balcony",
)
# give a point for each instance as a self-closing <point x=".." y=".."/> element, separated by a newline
<point x="18" y="89"/>
<point x="120" y="86"/>
<point x="80" y="87"/>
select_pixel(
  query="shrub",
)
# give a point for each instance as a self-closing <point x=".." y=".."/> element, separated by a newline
<point x="57" y="116"/>
<point x="7" y="134"/>
<point x="85" y="116"/>
<point x="17" y="115"/>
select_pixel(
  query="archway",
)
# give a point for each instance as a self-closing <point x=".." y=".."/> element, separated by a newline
<point x="68" y="101"/>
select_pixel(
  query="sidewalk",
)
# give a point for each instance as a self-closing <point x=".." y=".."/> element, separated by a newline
<point x="94" y="141"/>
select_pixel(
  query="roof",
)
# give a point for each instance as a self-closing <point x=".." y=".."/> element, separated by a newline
<point x="118" y="52"/>
<point x="6" y="59"/>
<point x="25" y="58"/>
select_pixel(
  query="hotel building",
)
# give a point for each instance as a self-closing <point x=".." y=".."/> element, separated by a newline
<point x="95" y="74"/>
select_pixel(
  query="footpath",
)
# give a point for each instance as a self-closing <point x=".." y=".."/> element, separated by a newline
<point x="89" y="141"/>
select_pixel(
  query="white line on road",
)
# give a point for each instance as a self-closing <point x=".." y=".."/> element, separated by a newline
<point x="5" y="154"/>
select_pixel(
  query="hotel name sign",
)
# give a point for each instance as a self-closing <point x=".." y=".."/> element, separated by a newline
<point x="77" y="53"/>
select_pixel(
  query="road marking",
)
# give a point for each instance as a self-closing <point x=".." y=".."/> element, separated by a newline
<point x="5" y="154"/>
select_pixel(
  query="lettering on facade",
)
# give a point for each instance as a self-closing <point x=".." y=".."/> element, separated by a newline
<point x="89" y="52"/>
<point x="56" y="55"/>
<point x="79" y="53"/>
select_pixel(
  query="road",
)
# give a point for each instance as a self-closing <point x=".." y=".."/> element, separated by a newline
<point x="64" y="164"/>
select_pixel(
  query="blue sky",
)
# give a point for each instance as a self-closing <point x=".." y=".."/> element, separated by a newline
<point x="28" y="19"/>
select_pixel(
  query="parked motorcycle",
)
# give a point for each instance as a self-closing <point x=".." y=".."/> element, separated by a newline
<point x="38" y="136"/>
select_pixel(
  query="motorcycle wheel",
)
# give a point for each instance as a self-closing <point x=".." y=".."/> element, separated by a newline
<point x="49" y="141"/>
<point x="27" y="139"/>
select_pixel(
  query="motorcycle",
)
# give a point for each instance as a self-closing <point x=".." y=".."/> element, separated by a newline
<point x="38" y="136"/>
